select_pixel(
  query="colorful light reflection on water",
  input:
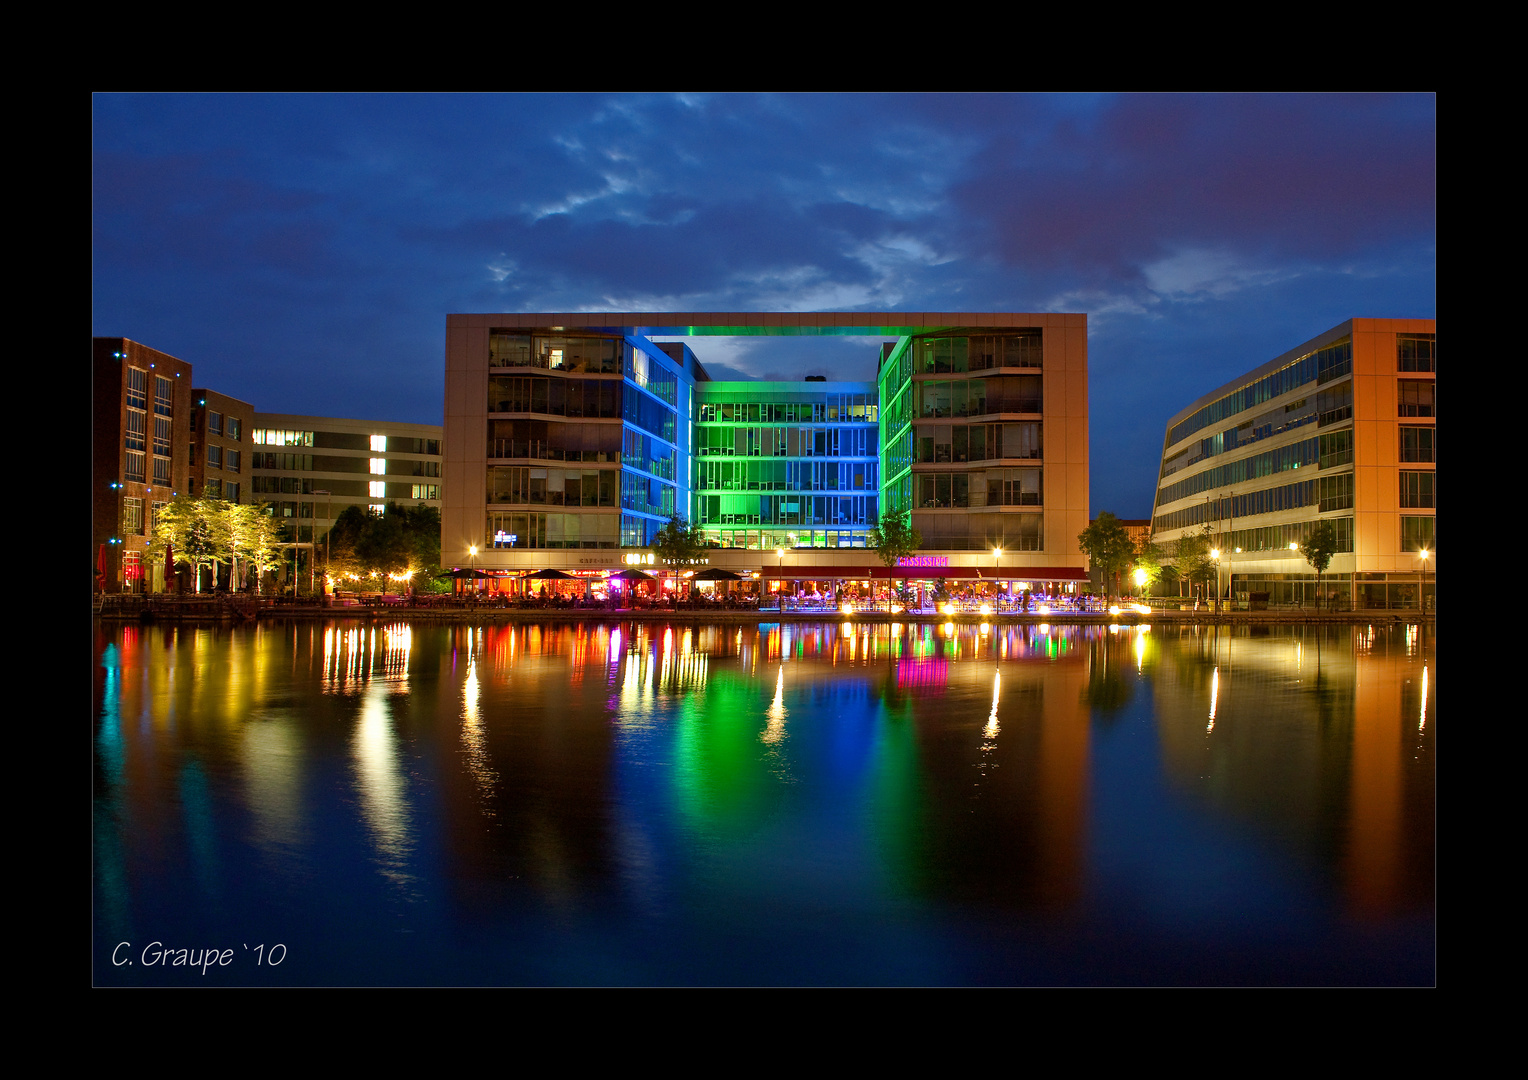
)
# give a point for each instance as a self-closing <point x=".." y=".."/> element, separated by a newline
<point x="845" y="803"/>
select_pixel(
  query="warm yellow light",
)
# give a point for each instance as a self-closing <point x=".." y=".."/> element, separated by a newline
<point x="847" y="608"/>
<point x="1424" y="553"/>
<point x="1140" y="576"/>
<point x="1044" y="609"/>
<point x="1114" y="610"/>
<point x="948" y="609"/>
<point x="997" y="553"/>
<point x="1293" y="546"/>
<point x="986" y="609"/>
<point x="472" y="549"/>
<point x="1214" y="553"/>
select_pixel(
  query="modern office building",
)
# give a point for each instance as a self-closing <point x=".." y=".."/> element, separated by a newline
<point x="976" y="426"/>
<point x="1340" y="429"/>
<point x="308" y="469"/>
<point x="140" y="456"/>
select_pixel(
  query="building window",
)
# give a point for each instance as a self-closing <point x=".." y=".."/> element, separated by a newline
<point x="161" y="470"/>
<point x="1334" y="405"/>
<point x="1416" y="352"/>
<point x="214" y="489"/>
<point x="132" y="567"/>
<point x="214" y="423"/>
<point x="231" y="462"/>
<point x="1419" y="444"/>
<point x="164" y="397"/>
<point x="137" y="430"/>
<point x="1417" y="491"/>
<point x="235" y="427"/>
<point x="1417" y="533"/>
<point x="191" y="455"/>
<point x="132" y="516"/>
<point x="162" y="435"/>
<point x="214" y="457"/>
<point x="378" y="466"/>
<point x="231" y="492"/>
<point x="157" y="509"/>
<point x="379" y="445"/>
<point x="1415" y="398"/>
<point x="377" y="489"/>
<point x="137" y="388"/>
<point x="1337" y="449"/>
<point x="376" y="509"/>
<point x="426" y="491"/>
<point x="1336" y="493"/>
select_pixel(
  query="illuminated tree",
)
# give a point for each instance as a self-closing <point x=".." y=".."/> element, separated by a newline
<point x="1110" y="549"/>
<point x="1318" y="549"/>
<point x="893" y="539"/>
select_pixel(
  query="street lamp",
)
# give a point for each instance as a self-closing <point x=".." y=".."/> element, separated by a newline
<point x="1422" y="585"/>
<point x="329" y="527"/>
<point x="1215" y="554"/>
<point x="997" y="570"/>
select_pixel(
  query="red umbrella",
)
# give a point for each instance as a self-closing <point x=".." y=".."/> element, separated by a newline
<point x="169" y="566"/>
<point x="101" y="568"/>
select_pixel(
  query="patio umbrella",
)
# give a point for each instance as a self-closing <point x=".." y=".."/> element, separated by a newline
<point x="463" y="575"/>
<point x="101" y="568"/>
<point x="548" y="575"/>
<point x="630" y="575"/>
<point x="717" y="574"/>
<point x="169" y="566"/>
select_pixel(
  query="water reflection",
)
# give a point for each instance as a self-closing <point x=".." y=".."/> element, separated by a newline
<point x="718" y="776"/>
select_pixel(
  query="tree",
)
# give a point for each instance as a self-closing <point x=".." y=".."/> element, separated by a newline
<point x="678" y="543"/>
<point x="1318" y="549"/>
<point x="1191" y="557"/>
<point x="190" y="528"/>
<point x="1150" y="560"/>
<point x="252" y="535"/>
<point x="894" y="538"/>
<point x="1109" y="547"/>
<point x="402" y="543"/>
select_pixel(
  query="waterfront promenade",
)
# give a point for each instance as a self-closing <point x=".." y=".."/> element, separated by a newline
<point x="244" y="609"/>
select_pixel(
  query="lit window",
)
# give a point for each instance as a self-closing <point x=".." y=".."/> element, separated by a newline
<point x="378" y="466"/>
<point x="234" y="427"/>
<point x="375" y="509"/>
<point x="378" y="489"/>
<point x="379" y="443"/>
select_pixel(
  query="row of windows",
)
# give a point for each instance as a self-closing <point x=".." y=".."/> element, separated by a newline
<point x="1418" y="490"/>
<point x="795" y="442"/>
<point x="217" y="459"/>
<point x="836" y="408"/>
<point x="1279" y="537"/>
<point x="1023" y="349"/>
<point x="509" y="349"/>
<point x="940" y="443"/>
<point x="981" y="532"/>
<point x="1275" y="384"/>
<point x="787" y="510"/>
<point x="537" y="531"/>
<point x="550" y="441"/>
<point x="639" y="451"/>
<point x="995" y="487"/>
<point x="1267" y="501"/>
<point x="1416" y="352"/>
<point x="786" y="476"/>
<point x="779" y="540"/>
<point x="1268" y="463"/>
<point x="553" y="487"/>
<point x="597" y="398"/>
<point x="646" y="495"/>
<point x="215" y="425"/>
<point x="979" y="397"/>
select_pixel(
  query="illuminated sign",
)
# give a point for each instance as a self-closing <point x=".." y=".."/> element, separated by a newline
<point x="924" y="560"/>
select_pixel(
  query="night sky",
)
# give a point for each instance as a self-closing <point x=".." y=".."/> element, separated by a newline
<point x="302" y="252"/>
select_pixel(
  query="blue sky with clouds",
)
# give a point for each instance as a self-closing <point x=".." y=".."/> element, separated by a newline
<point x="302" y="251"/>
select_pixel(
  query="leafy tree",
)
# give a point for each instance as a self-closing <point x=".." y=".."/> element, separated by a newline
<point x="403" y="542"/>
<point x="894" y="538"/>
<point x="191" y="529"/>
<point x="1191" y="557"/>
<point x="1109" y="547"/>
<point x="678" y="543"/>
<point x="253" y="536"/>
<point x="1318" y="549"/>
<point x="1150" y="560"/>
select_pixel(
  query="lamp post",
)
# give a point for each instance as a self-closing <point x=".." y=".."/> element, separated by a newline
<point x="1215" y="554"/>
<point x="328" y="528"/>
<point x="997" y="569"/>
<point x="1422" y="584"/>
<point x="1295" y="547"/>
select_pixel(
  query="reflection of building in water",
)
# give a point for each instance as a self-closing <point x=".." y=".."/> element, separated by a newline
<point x="1307" y="737"/>
<point x="1338" y="430"/>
